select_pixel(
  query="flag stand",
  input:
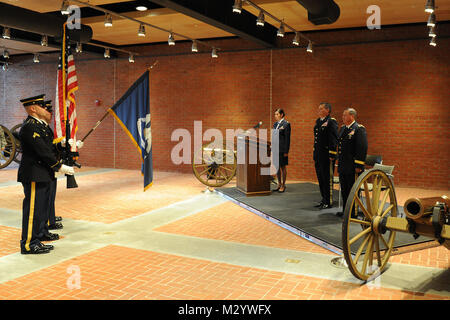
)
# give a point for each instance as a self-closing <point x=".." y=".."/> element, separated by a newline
<point x="107" y="111"/>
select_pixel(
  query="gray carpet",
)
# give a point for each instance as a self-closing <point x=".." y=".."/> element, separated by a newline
<point x="295" y="207"/>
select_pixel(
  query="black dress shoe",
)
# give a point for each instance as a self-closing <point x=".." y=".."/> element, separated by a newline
<point x="49" y="237"/>
<point x="326" y="206"/>
<point x="339" y="214"/>
<point x="57" y="225"/>
<point x="37" y="249"/>
<point x="46" y="246"/>
<point x="319" y="205"/>
<point x="58" y="218"/>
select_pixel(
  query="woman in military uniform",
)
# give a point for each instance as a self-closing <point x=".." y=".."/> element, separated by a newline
<point x="284" y="138"/>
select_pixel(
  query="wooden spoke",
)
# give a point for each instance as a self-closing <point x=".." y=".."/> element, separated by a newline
<point x="359" y="235"/>
<point x="367" y="194"/>
<point x="383" y="202"/>
<point x="377" y="248"/>
<point x="360" y="249"/>
<point x="367" y="255"/>
<point x="387" y="210"/>
<point x="363" y="222"/>
<point x="361" y="205"/>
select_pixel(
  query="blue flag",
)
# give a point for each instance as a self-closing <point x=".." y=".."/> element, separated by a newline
<point x="132" y="112"/>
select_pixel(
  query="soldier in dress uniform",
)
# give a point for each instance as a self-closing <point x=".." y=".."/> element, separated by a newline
<point x="284" y="137"/>
<point x="352" y="153"/>
<point x="54" y="222"/>
<point x="36" y="171"/>
<point x="325" y="146"/>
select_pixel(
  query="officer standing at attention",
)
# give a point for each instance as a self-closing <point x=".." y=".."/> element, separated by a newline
<point x="36" y="171"/>
<point x="284" y="138"/>
<point x="352" y="153"/>
<point x="325" y="146"/>
<point x="54" y="222"/>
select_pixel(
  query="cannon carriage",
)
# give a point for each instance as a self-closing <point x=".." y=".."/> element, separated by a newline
<point x="214" y="165"/>
<point x="372" y="219"/>
<point x="11" y="149"/>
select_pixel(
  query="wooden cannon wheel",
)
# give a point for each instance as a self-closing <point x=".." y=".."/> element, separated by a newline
<point x="8" y="154"/>
<point x="15" y="131"/>
<point x="366" y="246"/>
<point x="214" y="166"/>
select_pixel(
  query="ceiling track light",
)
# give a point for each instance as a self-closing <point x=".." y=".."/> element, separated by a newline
<point x="108" y="20"/>
<point x="65" y="8"/>
<point x="44" y="41"/>
<point x="141" y="8"/>
<point x="36" y="58"/>
<point x="131" y="58"/>
<point x="429" y="7"/>
<point x="6" y="33"/>
<point x="237" y="7"/>
<point x="310" y="47"/>
<point x="194" y="46"/>
<point x="79" y="48"/>
<point x="280" y="32"/>
<point x="171" y="40"/>
<point x="141" y="32"/>
<point x="431" y="20"/>
<point x="214" y="53"/>
<point x="433" y="42"/>
<point x="5" y="54"/>
<point x="432" y="32"/>
<point x="260" y="19"/>
<point x="296" y="40"/>
<point x="107" y="53"/>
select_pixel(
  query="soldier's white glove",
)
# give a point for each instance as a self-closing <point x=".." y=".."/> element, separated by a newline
<point x="80" y="144"/>
<point x="67" y="170"/>
<point x="71" y="142"/>
<point x="63" y="141"/>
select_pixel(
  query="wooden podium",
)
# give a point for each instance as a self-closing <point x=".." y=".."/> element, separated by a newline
<point x="249" y="179"/>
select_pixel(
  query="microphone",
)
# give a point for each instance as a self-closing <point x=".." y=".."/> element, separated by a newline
<point x="258" y="125"/>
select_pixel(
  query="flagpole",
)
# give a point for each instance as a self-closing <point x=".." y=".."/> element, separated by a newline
<point x="107" y="111"/>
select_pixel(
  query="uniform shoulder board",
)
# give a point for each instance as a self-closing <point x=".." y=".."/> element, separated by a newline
<point x="360" y="125"/>
<point x="333" y="119"/>
<point x="30" y="120"/>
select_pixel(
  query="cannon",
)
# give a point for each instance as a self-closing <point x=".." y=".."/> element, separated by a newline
<point x="371" y="220"/>
<point x="215" y="165"/>
<point x="12" y="149"/>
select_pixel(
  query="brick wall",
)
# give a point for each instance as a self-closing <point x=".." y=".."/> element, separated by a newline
<point x="400" y="90"/>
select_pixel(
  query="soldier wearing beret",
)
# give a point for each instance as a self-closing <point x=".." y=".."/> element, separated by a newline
<point x="325" y="146"/>
<point x="352" y="144"/>
<point x="36" y="172"/>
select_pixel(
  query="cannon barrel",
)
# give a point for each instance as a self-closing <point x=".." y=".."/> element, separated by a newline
<point x="416" y="208"/>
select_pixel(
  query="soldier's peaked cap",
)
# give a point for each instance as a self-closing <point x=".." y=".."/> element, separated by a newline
<point x="34" y="100"/>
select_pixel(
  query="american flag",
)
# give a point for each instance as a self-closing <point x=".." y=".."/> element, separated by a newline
<point x="67" y="84"/>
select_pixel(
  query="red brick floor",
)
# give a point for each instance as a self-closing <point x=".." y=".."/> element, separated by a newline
<point x="119" y="272"/>
<point x="115" y="272"/>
